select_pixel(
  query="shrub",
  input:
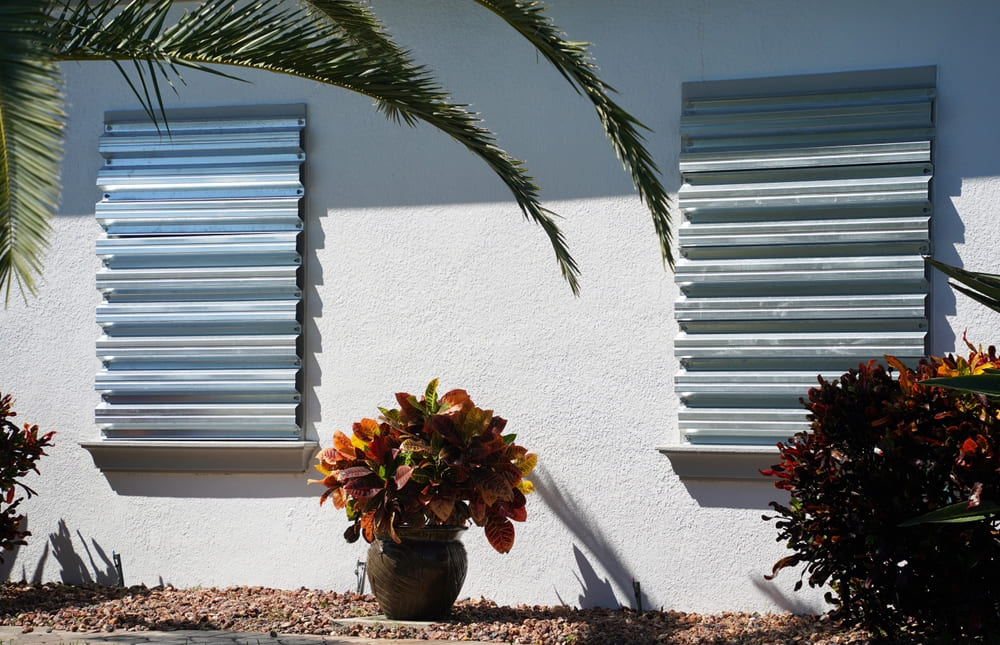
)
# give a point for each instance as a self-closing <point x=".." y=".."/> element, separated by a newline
<point x="20" y="448"/>
<point x="880" y="452"/>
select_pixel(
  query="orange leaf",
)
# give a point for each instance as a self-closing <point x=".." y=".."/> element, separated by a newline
<point x="455" y="398"/>
<point x="367" y="526"/>
<point x="364" y="430"/>
<point x="905" y="377"/>
<point x="500" y="533"/>
<point x="342" y="444"/>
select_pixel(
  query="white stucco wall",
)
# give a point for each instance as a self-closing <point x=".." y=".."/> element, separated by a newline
<point x="419" y="266"/>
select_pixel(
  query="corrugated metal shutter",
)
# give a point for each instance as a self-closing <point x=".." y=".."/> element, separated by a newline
<point x="806" y="219"/>
<point x="200" y="278"/>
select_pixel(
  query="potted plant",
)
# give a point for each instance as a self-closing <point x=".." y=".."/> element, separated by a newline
<point x="412" y="480"/>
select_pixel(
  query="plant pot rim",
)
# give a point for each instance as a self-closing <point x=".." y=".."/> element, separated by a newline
<point x="436" y="532"/>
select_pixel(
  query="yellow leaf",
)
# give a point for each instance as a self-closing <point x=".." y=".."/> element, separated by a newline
<point x="527" y="463"/>
<point x="525" y="487"/>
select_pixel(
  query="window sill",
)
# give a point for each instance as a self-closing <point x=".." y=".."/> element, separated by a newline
<point x="721" y="462"/>
<point x="202" y="456"/>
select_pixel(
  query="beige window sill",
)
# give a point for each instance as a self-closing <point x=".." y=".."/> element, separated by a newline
<point x="721" y="462"/>
<point x="202" y="456"/>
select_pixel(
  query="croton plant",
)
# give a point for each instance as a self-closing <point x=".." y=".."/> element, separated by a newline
<point x="872" y="494"/>
<point x="431" y="462"/>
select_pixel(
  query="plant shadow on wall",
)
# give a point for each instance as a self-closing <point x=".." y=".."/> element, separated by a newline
<point x="73" y="568"/>
<point x="595" y="591"/>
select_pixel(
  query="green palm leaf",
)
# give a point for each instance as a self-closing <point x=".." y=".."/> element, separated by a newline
<point x="981" y="287"/>
<point x="987" y="383"/>
<point x="573" y="61"/>
<point x="337" y="42"/>
<point x="31" y="123"/>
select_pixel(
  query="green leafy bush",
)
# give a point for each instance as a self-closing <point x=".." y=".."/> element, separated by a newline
<point x="880" y="452"/>
<point x="20" y="448"/>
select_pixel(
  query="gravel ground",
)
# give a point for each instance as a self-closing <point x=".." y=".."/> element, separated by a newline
<point x="90" y="608"/>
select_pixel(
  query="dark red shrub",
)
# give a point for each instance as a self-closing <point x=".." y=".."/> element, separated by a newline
<point x="880" y="452"/>
<point x="20" y="448"/>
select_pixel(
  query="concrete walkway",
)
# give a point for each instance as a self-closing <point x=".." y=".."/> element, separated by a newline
<point x="14" y="636"/>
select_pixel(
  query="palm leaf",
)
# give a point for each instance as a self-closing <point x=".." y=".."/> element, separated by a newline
<point x="362" y="27"/>
<point x="269" y="35"/>
<point x="31" y="123"/>
<point x="958" y="513"/>
<point x="573" y="61"/>
<point x="337" y="42"/>
<point x="987" y="383"/>
<point x="982" y="287"/>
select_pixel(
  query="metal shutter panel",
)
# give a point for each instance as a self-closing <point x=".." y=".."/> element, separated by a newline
<point x="806" y="216"/>
<point x="200" y="280"/>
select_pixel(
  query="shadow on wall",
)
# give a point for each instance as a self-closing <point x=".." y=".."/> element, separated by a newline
<point x="787" y="603"/>
<point x="199" y="485"/>
<point x="10" y="556"/>
<point x="73" y="569"/>
<point x="595" y="592"/>
<point x="735" y="493"/>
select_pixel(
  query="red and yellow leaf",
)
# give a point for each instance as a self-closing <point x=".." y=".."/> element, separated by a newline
<point x="500" y="533"/>
<point x="339" y="498"/>
<point x="493" y="487"/>
<point x="364" y="430"/>
<point x="354" y="472"/>
<point x="415" y="445"/>
<point x="325" y="460"/>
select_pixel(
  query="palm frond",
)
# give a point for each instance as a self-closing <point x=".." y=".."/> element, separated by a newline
<point x="364" y="29"/>
<point x="981" y="287"/>
<point x="272" y="35"/>
<point x="31" y="126"/>
<point x="573" y="61"/>
<point x="987" y="383"/>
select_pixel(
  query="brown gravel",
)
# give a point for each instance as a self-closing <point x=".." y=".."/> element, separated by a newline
<point x="92" y="608"/>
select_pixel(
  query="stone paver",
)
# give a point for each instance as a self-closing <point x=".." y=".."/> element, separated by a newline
<point x="14" y="636"/>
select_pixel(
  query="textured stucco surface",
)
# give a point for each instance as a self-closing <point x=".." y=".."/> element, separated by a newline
<point x="419" y="266"/>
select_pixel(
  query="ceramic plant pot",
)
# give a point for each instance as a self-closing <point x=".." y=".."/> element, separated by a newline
<point x="419" y="578"/>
